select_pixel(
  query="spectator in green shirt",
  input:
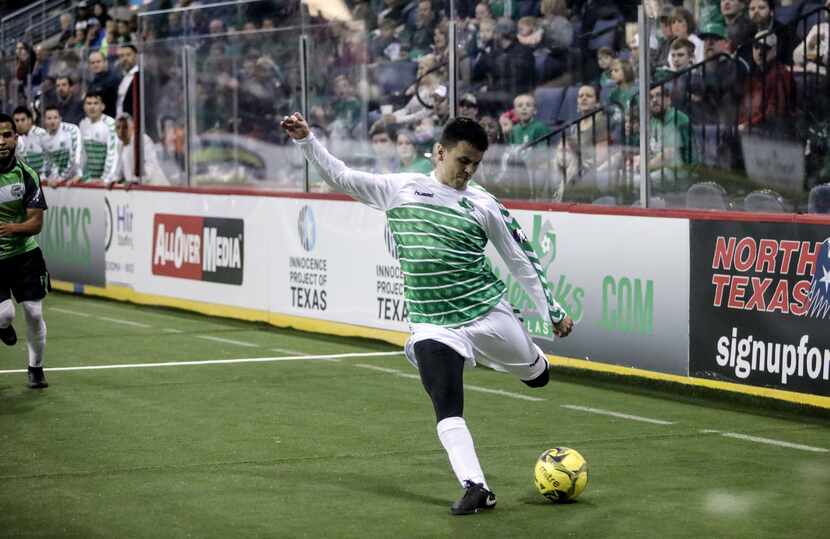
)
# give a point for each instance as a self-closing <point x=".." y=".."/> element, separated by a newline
<point x="669" y="142"/>
<point x="528" y="128"/>
<point x="411" y="161"/>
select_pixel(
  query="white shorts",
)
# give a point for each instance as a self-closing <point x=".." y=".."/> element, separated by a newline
<point x="497" y="340"/>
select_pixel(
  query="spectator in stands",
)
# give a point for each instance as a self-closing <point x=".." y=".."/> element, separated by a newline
<point x="125" y="33"/>
<point x="440" y="44"/>
<point x="425" y="134"/>
<point x="63" y="152"/>
<point x="94" y="34"/>
<point x="151" y="170"/>
<point x="660" y="56"/>
<point x="585" y="152"/>
<point x="528" y="128"/>
<point x="128" y="61"/>
<point x="482" y="13"/>
<point x="384" y="45"/>
<point x="170" y="149"/>
<point x="506" y="122"/>
<point x="762" y="16"/>
<point x="108" y="44"/>
<point x="505" y="8"/>
<point x="101" y="12"/>
<point x="104" y="82"/>
<point x="440" y="106"/>
<point x="468" y="106"/>
<point x="392" y="10"/>
<point x="623" y="76"/>
<point x="493" y="129"/>
<point x="529" y="32"/>
<point x="78" y="39"/>
<point x="670" y="143"/>
<point x="768" y="97"/>
<point x="43" y="60"/>
<point x="557" y="37"/>
<point x="419" y="36"/>
<point x="67" y="29"/>
<point x="716" y="100"/>
<point x="410" y="159"/>
<point x="739" y="28"/>
<point x="346" y="107"/>
<point x="382" y="137"/>
<point x="683" y="26"/>
<point x="25" y="65"/>
<point x="811" y="55"/>
<point x="68" y="102"/>
<point x="511" y="69"/>
<point x="480" y="49"/>
<point x="605" y="57"/>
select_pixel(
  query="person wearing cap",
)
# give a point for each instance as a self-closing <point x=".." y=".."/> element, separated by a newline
<point x="768" y="95"/>
<point x="94" y="33"/>
<point x="468" y="107"/>
<point x="713" y="101"/>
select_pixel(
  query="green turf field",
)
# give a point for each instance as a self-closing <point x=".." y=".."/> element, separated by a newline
<point x="316" y="446"/>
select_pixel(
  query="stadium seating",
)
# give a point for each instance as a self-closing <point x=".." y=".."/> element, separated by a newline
<point x="548" y="103"/>
<point x="706" y="196"/>
<point x="819" y="199"/>
<point x="764" y="200"/>
<point x="567" y="112"/>
<point x="604" y="33"/>
<point x="395" y="77"/>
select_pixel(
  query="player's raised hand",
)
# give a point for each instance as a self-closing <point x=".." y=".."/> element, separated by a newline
<point x="564" y="327"/>
<point x="296" y="126"/>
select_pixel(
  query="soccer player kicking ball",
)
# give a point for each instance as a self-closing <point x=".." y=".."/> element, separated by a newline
<point x="458" y="313"/>
<point x="22" y="269"/>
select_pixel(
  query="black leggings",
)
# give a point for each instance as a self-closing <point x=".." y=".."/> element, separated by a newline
<point x="442" y="373"/>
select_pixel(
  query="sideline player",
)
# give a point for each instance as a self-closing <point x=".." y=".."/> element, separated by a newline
<point x="22" y="268"/>
<point x="63" y="149"/>
<point x="100" y="142"/>
<point x="29" y="139"/>
<point x="458" y="313"/>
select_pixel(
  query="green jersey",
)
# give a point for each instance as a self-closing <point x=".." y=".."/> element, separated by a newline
<point x="522" y="133"/>
<point x="19" y="191"/>
<point x="441" y="234"/>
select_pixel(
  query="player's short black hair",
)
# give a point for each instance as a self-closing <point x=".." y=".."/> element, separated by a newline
<point x="23" y="110"/>
<point x="464" y="130"/>
<point x="129" y="46"/>
<point x="93" y="93"/>
<point x="5" y="118"/>
<point x="51" y="107"/>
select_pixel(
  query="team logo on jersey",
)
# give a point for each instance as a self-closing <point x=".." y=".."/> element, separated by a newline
<point x="18" y="190"/>
<point x="307" y="228"/>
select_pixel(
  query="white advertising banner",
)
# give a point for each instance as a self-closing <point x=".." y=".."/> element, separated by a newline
<point x="624" y="280"/>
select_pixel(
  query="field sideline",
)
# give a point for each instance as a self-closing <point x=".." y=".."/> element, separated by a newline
<point x="166" y="423"/>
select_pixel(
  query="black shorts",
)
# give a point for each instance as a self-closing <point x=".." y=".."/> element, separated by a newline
<point x="24" y="276"/>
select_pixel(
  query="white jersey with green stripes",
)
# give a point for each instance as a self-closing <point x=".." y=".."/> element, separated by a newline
<point x="30" y="149"/>
<point x="441" y="234"/>
<point x="100" y="149"/>
<point x="63" y="152"/>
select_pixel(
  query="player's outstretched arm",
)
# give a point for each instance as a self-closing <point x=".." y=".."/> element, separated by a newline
<point x="376" y="190"/>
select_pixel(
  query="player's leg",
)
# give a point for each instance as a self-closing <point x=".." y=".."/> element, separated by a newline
<point x="442" y="372"/>
<point x="500" y="340"/>
<point x="7" y="333"/>
<point x="29" y="291"/>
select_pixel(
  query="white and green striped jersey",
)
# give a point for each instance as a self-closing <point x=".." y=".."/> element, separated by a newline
<point x="100" y="149"/>
<point x="30" y="148"/>
<point x="63" y="151"/>
<point x="441" y="234"/>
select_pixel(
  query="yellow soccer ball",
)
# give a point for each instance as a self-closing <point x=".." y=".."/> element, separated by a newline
<point x="561" y="474"/>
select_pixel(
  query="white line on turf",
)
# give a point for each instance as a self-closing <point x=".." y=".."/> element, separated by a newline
<point x="228" y="341"/>
<point x="171" y="330"/>
<point x="770" y="441"/>
<point x="466" y="386"/>
<point x="616" y="414"/>
<point x="324" y="357"/>
<point x="289" y="351"/>
<point x="67" y="311"/>
<point x="123" y="322"/>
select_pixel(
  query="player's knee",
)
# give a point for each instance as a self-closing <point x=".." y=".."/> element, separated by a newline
<point x="541" y="380"/>
<point x="6" y="313"/>
<point x="33" y="310"/>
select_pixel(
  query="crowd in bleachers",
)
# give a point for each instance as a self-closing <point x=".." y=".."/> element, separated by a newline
<point x="554" y="82"/>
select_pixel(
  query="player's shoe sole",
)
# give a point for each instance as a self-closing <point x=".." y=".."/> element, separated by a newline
<point x="476" y="498"/>
<point x="8" y="336"/>
<point x="37" y="380"/>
